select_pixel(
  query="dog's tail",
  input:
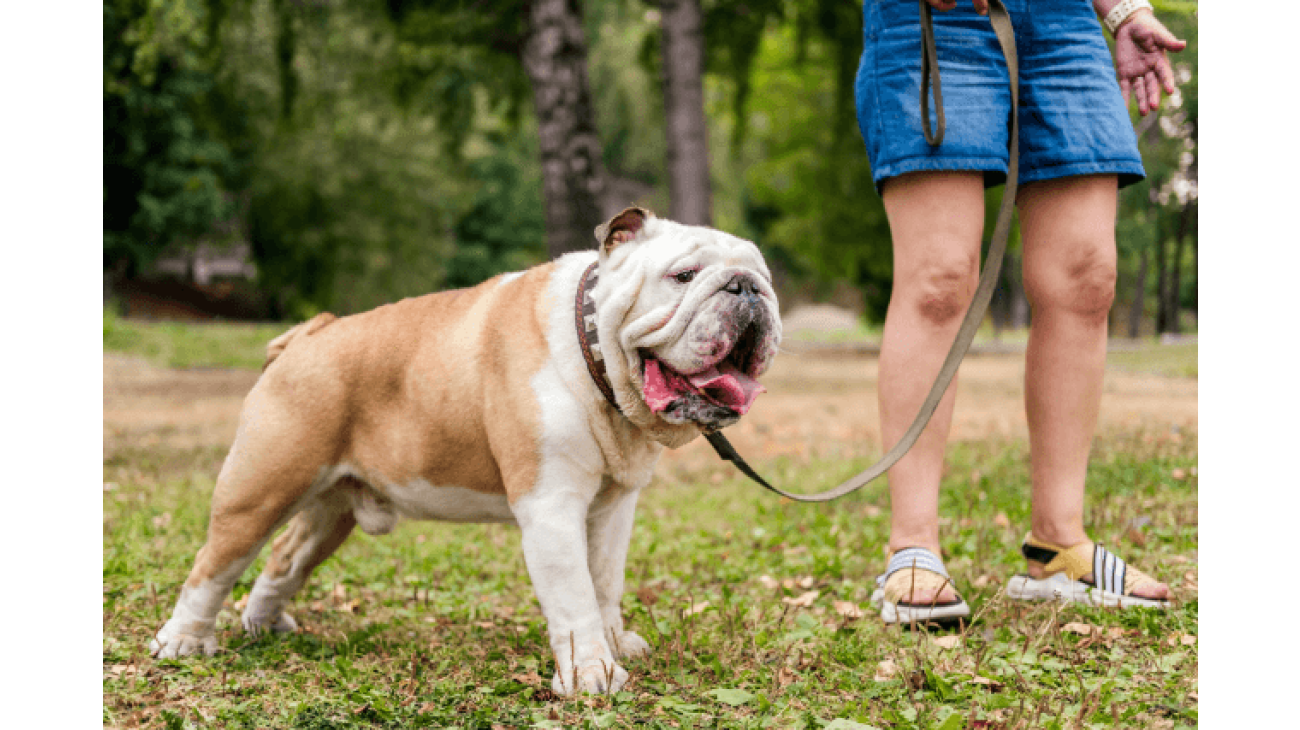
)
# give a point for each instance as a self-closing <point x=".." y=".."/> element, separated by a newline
<point x="277" y="346"/>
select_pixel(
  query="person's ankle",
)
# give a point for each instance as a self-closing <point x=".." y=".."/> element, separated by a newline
<point x="902" y="544"/>
<point x="1060" y="535"/>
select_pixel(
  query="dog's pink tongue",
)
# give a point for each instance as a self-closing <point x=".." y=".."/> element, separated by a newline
<point x="662" y="386"/>
<point x="728" y="386"/>
<point x="725" y="386"/>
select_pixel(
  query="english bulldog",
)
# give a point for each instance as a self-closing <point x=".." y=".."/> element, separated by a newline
<point x="541" y="398"/>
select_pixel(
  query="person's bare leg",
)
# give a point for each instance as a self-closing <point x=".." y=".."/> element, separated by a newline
<point x="936" y="220"/>
<point x="1068" y="227"/>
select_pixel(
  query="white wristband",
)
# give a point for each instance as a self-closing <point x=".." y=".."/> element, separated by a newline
<point x="1121" y="12"/>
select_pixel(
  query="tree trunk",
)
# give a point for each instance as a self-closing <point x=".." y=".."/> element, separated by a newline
<point x="1162" y="278"/>
<point x="1175" y="285"/>
<point x="573" y="175"/>
<point x="683" y="84"/>
<point x="1139" y="298"/>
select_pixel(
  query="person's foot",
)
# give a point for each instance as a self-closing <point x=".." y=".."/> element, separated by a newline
<point x="1145" y="587"/>
<point x="916" y="587"/>
<point x="1049" y="563"/>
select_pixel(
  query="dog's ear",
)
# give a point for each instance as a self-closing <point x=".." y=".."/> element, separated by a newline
<point x="621" y="228"/>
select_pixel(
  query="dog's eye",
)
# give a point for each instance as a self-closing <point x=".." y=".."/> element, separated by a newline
<point x="685" y="277"/>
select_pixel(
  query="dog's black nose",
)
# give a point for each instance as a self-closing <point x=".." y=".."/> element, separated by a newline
<point x="740" y="284"/>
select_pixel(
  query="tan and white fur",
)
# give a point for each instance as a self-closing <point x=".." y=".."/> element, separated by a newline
<point x="476" y="405"/>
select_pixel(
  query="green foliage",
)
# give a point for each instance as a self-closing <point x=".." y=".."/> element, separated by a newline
<point x="504" y="229"/>
<point x="372" y="150"/>
<point x="808" y="192"/>
<point x="165" y="171"/>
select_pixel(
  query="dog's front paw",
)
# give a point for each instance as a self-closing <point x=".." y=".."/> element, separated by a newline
<point x="257" y="625"/>
<point x="183" y="638"/>
<point x="629" y="645"/>
<point x="593" y="677"/>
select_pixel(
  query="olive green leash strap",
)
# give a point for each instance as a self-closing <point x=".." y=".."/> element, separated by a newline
<point x="983" y="293"/>
<point x="930" y="75"/>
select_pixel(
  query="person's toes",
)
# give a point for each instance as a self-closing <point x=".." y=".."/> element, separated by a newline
<point x="926" y="596"/>
<point x="1153" y="591"/>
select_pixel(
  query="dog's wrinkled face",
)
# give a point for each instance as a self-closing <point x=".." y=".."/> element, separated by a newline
<point x="699" y="318"/>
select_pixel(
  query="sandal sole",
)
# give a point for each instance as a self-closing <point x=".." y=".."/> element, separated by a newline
<point x="895" y="613"/>
<point x="1061" y="588"/>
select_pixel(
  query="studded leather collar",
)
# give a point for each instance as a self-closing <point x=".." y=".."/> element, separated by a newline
<point x="584" y="313"/>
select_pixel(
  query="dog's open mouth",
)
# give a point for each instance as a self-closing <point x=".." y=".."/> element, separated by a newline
<point x="726" y="384"/>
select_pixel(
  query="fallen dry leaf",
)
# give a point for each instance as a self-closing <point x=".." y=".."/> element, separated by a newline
<point x="532" y="679"/>
<point x="769" y="582"/>
<point x="1074" y="627"/>
<point x="162" y="520"/>
<point x="946" y="642"/>
<point x="847" y="609"/>
<point x="1133" y="531"/>
<point x="1178" y="474"/>
<point x="982" y="581"/>
<point x="803" y="601"/>
<point x="242" y="603"/>
<point x="1188" y="640"/>
<point x="696" y="608"/>
<point x="785" y="676"/>
<point x="986" y="682"/>
<point x="1001" y="520"/>
<point x="885" y="670"/>
<point x="806" y="582"/>
<point x="1116" y="632"/>
<point x="648" y="595"/>
<point x="872" y="510"/>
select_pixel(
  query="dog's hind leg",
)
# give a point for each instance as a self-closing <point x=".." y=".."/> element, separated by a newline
<point x="311" y="537"/>
<point x="259" y="488"/>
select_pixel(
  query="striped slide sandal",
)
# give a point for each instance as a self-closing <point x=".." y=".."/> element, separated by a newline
<point x="1086" y="573"/>
<point x="911" y="571"/>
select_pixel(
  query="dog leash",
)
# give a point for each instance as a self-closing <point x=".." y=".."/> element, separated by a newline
<point x="1001" y="21"/>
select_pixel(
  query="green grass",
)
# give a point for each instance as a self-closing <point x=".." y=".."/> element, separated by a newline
<point x="1170" y="360"/>
<point x="216" y="345"/>
<point x="436" y="625"/>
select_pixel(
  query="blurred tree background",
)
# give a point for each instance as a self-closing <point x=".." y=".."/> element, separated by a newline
<point x="359" y="151"/>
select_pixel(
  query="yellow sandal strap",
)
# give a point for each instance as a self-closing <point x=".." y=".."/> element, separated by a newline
<point x="1109" y="572"/>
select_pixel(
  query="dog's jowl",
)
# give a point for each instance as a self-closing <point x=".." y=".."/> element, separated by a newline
<point x="542" y="398"/>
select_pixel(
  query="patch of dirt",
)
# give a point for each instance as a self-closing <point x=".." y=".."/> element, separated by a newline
<point x="817" y="405"/>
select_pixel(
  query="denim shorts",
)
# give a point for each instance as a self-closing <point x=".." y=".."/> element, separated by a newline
<point x="1073" y="120"/>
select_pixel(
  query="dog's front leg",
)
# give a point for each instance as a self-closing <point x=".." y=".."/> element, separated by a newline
<point x="554" y="537"/>
<point x="609" y="529"/>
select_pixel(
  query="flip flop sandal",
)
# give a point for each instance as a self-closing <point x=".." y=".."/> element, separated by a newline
<point x="910" y="569"/>
<point x="1112" y="584"/>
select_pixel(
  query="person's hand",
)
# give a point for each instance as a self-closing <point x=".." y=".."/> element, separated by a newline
<point x="1140" y="61"/>
<point x="981" y="6"/>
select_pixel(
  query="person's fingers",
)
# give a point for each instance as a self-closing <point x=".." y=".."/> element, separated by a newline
<point x="942" y="4"/>
<point x="1166" y="75"/>
<point x="1141" y="93"/>
<point x="1167" y="40"/>
<point x="1153" y="91"/>
<point x="1123" y="89"/>
<point x="981" y="6"/>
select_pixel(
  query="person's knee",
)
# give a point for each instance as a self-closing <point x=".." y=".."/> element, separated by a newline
<point x="1083" y="286"/>
<point x="941" y="289"/>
